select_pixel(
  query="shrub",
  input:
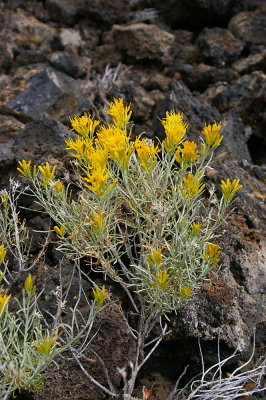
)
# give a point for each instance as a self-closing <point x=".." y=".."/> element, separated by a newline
<point x="139" y="215"/>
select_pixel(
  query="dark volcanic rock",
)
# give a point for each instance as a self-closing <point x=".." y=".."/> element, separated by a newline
<point x="70" y="64"/>
<point x="42" y="90"/>
<point x="145" y="42"/>
<point x="219" y="46"/>
<point x="69" y="381"/>
<point x="250" y="26"/>
<point x="200" y="77"/>
<point x="39" y="139"/>
<point x="254" y="62"/>
<point x="69" y="11"/>
<point x="246" y="97"/>
<point x="105" y="11"/>
<point x="203" y="12"/>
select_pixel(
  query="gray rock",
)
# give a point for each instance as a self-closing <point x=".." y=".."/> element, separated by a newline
<point x="246" y="97"/>
<point x="70" y="64"/>
<point x="203" y="12"/>
<point x="39" y="139"/>
<point x="254" y="62"/>
<point x="250" y="26"/>
<point x="200" y="77"/>
<point x="142" y="41"/>
<point x="234" y="144"/>
<point x="71" y="11"/>
<point x="219" y="46"/>
<point x="10" y="128"/>
<point x="45" y="90"/>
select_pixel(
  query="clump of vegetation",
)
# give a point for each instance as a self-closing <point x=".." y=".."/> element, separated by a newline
<point x="139" y="216"/>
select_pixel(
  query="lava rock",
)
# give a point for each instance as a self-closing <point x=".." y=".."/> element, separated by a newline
<point x="180" y="13"/>
<point x="104" y="11"/>
<point x="44" y="90"/>
<point x="235" y="136"/>
<point x="67" y="379"/>
<point x="70" y="64"/>
<point x="145" y="42"/>
<point x="246" y="97"/>
<point x="200" y="77"/>
<point x="10" y="127"/>
<point x="39" y="139"/>
<point x="254" y="62"/>
<point x="69" y="11"/>
<point x="250" y="26"/>
<point x="219" y="46"/>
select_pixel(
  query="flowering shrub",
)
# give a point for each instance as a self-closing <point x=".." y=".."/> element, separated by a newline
<point x="140" y="199"/>
<point x="139" y="216"/>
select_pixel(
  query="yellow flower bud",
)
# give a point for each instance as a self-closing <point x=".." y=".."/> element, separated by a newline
<point x="4" y="299"/>
<point x="212" y="136"/>
<point x="185" y="292"/>
<point x="29" y="286"/>
<point x="2" y="253"/>
<point x="120" y="113"/>
<point x="212" y="254"/>
<point x="46" y="347"/>
<point x="162" y="278"/>
<point x="60" y="231"/>
<point x="25" y="168"/>
<point x="229" y="189"/>
<point x="100" y="295"/>
<point x="175" y="129"/>
<point x="155" y="258"/>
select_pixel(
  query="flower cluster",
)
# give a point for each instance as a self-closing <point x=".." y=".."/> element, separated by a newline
<point x="137" y="193"/>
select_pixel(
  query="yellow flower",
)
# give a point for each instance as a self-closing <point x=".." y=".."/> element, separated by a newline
<point x="121" y="114"/>
<point x="98" y="175"/>
<point x="191" y="186"/>
<point x="98" y="158"/>
<point x="4" y="299"/>
<point x="212" y="254"/>
<point x="84" y="125"/>
<point x="81" y="146"/>
<point x="162" y="279"/>
<point x="229" y="189"/>
<point x="196" y="227"/>
<point x="60" y="231"/>
<point x="185" y="292"/>
<point x="46" y="347"/>
<point x="98" y="221"/>
<point x="212" y="136"/>
<point x="47" y="174"/>
<point x="117" y="143"/>
<point x="97" y="179"/>
<point x="2" y="253"/>
<point x="175" y="130"/>
<point x="25" y="168"/>
<point x="155" y="258"/>
<point x="100" y="295"/>
<point x="58" y="187"/>
<point x="188" y="154"/>
<point x="4" y="198"/>
<point x="146" y="153"/>
<point x="29" y="286"/>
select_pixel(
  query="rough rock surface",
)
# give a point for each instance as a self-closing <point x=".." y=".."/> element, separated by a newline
<point x="208" y="60"/>
<point x="250" y="26"/>
<point x="143" y="41"/>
